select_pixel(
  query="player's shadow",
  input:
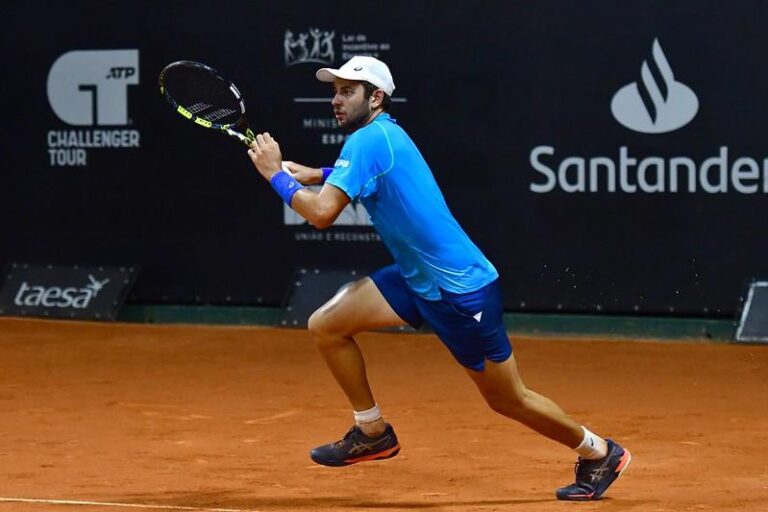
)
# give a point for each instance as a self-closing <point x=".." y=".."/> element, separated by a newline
<point x="217" y="500"/>
<point x="416" y="505"/>
<point x="245" y="501"/>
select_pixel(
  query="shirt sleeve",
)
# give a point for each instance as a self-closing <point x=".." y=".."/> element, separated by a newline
<point x="359" y="164"/>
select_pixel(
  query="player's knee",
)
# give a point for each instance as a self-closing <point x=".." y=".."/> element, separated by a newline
<point x="330" y="319"/>
<point x="316" y="325"/>
<point x="322" y="328"/>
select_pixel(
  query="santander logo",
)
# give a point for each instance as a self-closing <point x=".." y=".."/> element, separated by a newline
<point x="658" y="103"/>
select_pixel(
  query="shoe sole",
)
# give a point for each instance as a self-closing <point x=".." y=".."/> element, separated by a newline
<point x="384" y="454"/>
<point x="623" y="465"/>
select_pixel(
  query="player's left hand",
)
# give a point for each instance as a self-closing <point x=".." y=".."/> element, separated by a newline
<point x="265" y="155"/>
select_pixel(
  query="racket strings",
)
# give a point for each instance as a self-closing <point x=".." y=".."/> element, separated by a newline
<point x="219" y="114"/>
<point x="199" y="109"/>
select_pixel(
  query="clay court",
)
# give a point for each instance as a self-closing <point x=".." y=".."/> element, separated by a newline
<point x="110" y="417"/>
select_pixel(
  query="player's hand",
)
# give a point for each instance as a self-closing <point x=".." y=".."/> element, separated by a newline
<point x="303" y="174"/>
<point x="265" y="155"/>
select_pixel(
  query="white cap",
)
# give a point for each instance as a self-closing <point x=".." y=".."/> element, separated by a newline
<point x="361" y="69"/>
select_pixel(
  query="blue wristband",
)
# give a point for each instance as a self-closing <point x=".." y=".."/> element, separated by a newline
<point x="326" y="172"/>
<point x="285" y="185"/>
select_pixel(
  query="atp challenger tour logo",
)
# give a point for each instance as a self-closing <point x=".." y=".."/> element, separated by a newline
<point x="89" y="88"/>
<point x="658" y="104"/>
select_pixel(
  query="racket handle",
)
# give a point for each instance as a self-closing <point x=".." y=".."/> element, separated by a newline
<point x="246" y="139"/>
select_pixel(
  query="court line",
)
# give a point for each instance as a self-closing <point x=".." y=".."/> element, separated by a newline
<point x="292" y="412"/>
<point x="123" y="505"/>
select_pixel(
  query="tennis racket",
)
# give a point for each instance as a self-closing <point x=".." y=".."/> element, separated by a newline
<point x="200" y="94"/>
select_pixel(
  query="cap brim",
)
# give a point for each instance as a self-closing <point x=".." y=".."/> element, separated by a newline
<point x="330" y="74"/>
<point x="326" y="74"/>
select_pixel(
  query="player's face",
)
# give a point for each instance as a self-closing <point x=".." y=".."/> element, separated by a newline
<point x="351" y="108"/>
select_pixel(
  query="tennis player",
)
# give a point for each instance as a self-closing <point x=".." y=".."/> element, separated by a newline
<point x="439" y="276"/>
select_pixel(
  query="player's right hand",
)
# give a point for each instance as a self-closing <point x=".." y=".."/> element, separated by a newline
<point x="265" y="155"/>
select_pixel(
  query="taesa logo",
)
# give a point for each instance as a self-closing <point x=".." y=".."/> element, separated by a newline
<point x="658" y="103"/>
<point x="90" y="87"/>
<point x="58" y="296"/>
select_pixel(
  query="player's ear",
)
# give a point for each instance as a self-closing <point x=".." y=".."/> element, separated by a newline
<point x="377" y="98"/>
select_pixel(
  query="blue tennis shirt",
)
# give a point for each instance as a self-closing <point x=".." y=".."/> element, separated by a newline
<point x="381" y="166"/>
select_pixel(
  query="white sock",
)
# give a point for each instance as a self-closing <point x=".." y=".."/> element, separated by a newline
<point x="592" y="447"/>
<point x="368" y="416"/>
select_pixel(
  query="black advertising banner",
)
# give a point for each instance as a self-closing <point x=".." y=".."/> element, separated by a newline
<point x="753" y="318"/>
<point x="608" y="157"/>
<point x="48" y="291"/>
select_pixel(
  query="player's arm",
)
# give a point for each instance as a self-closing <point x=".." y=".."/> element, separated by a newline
<point x="319" y="208"/>
<point x="307" y="175"/>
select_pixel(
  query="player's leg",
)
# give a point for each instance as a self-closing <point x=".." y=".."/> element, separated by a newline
<point x="601" y="461"/>
<point x="471" y="325"/>
<point x="382" y="300"/>
<point x="504" y="391"/>
<point x="356" y="308"/>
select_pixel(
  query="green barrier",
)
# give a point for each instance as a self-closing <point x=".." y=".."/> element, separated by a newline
<point x="517" y="323"/>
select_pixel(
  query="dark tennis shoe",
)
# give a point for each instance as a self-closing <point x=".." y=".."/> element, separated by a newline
<point x="593" y="477"/>
<point x="356" y="446"/>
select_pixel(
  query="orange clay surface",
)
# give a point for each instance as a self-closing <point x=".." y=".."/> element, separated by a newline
<point x="200" y="418"/>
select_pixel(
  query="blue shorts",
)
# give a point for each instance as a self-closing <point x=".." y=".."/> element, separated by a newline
<point x="471" y="324"/>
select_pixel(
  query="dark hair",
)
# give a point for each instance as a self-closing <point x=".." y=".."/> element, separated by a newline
<point x="368" y="89"/>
